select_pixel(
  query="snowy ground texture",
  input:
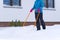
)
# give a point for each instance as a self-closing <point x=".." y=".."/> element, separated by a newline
<point x="30" y="33"/>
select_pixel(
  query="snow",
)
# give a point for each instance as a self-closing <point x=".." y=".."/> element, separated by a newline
<point x="30" y="33"/>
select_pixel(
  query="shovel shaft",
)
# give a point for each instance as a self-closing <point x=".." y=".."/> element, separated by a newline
<point x="36" y="19"/>
<point x="26" y="19"/>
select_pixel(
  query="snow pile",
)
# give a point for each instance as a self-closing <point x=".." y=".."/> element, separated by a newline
<point x="30" y="33"/>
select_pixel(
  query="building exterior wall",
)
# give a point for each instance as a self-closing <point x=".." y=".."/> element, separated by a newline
<point x="18" y="13"/>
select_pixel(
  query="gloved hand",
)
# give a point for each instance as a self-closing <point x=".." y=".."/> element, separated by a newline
<point x="31" y="10"/>
<point x="38" y="10"/>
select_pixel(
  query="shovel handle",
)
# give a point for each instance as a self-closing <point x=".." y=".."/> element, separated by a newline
<point x="26" y="19"/>
<point x="36" y="19"/>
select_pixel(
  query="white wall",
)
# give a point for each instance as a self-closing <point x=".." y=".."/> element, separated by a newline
<point x="9" y="14"/>
<point x="51" y="15"/>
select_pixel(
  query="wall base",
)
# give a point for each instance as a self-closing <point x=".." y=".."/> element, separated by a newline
<point x="7" y="24"/>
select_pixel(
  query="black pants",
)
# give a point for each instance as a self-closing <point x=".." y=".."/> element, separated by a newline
<point x="39" y="20"/>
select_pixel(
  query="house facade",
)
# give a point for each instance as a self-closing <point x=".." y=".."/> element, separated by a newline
<point x="51" y="11"/>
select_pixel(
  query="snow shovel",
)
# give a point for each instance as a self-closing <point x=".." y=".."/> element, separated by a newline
<point x="26" y="19"/>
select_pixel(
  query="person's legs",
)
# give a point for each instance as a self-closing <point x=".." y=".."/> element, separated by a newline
<point x="42" y="21"/>
<point x="37" y="21"/>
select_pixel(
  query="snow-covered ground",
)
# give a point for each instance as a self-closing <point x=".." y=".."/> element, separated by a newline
<point x="30" y="33"/>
